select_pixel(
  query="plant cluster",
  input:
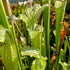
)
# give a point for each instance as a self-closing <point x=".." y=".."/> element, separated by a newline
<point x="32" y="36"/>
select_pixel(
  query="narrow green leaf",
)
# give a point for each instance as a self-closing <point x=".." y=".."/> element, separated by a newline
<point x="59" y="13"/>
<point x="46" y="14"/>
<point x="3" y="18"/>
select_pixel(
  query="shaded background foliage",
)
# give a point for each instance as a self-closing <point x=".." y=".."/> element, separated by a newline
<point x="15" y="1"/>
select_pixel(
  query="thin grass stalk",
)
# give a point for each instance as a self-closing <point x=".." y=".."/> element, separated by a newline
<point x="65" y="46"/>
<point x="46" y="15"/>
<point x="18" y="29"/>
<point x="14" y="38"/>
<point x="41" y="38"/>
<point x="68" y="43"/>
<point x="26" y="35"/>
<point x="69" y="50"/>
<point x="43" y="50"/>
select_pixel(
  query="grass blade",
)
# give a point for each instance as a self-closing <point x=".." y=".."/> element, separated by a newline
<point x="3" y="18"/>
<point x="46" y="15"/>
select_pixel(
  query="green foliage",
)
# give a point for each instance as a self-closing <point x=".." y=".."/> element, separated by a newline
<point x="68" y="1"/>
<point x="31" y="27"/>
<point x="35" y="39"/>
<point x="38" y="64"/>
<point x="59" y="10"/>
<point x="8" y="50"/>
<point x="2" y="34"/>
<point x="31" y="15"/>
<point x="59" y="13"/>
<point x="64" y="66"/>
<point x="30" y="51"/>
<point x="3" y="18"/>
<point x="62" y="56"/>
<point x="35" y="36"/>
<point x="46" y="15"/>
<point x="32" y="57"/>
